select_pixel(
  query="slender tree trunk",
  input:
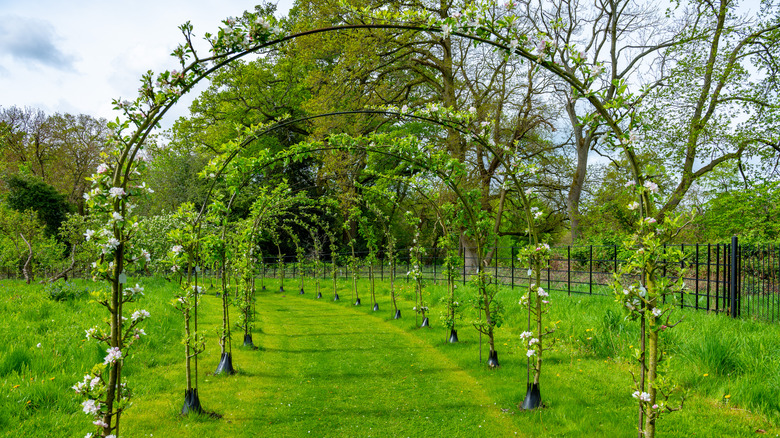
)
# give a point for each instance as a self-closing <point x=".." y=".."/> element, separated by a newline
<point x="27" y="269"/>
<point x="652" y="357"/>
<point x="113" y="389"/>
<point x="538" y="370"/>
<point x="392" y="285"/>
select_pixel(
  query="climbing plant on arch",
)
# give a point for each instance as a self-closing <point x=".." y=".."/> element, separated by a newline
<point x="250" y="33"/>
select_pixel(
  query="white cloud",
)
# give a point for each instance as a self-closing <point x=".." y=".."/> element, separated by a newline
<point x="32" y="42"/>
<point x="77" y="56"/>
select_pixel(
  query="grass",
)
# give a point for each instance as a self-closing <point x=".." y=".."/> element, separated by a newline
<point x="329" y="368"/>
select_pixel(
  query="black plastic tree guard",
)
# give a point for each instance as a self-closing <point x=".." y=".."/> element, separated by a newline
<point x="376" y="307"/>
<point x="425" y="322"/>
<point x="281" y="288"/>
<point x="225" y="365"/>
<point x="453" y="336"/>
<point x="263" y="287"/>
<point x="357" y="302"/>
<point x="191" y="402"/>
<point x="397" y="314"/>
<point x="301" y="291"/>
<point x="336" y="298"/>
<point x="493" y="359"/>
<point x="533" y="398"/>
<point x="319" y="294"/>
<point x="248" y="340"/>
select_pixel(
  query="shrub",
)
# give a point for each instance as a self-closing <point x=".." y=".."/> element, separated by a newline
<point x="64" y="291"/>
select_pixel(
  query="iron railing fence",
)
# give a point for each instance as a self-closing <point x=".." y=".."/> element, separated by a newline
<point x="712" y="284"/>
<point x="720" y="277"/>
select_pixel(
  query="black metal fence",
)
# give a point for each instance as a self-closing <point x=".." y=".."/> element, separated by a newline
<point x="719" y="277"/>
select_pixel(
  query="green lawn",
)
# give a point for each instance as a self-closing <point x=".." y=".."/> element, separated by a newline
<point x="328" y="368"/>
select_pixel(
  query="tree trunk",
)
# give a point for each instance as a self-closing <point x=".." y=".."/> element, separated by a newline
<point x="64" y="273"/>
<point x="652" y="365"/>
<point x="27" y="269"/>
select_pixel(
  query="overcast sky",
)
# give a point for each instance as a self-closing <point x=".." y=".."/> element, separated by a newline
<point x="76" y="56"/>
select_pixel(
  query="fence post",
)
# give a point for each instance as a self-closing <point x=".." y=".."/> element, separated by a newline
<point x="697" y="276"/>
<point x="512" y="261"/>
<point x="464" y="265"/>
<point x="496" y="256"/>
<point x="434" y="267"/>
<point x="682" y="266"/>
<point x="734" y="277"/>
<point x="590" y="272"/>
<point x="568" y="269"/>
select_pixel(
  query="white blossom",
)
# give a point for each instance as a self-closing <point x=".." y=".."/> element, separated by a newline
<point x="116" y="192"/>
<point x="114" y="354"/>
<point x="90" y="407"/>
<point x="139" y="314"/>
<point x="653" y="187"/>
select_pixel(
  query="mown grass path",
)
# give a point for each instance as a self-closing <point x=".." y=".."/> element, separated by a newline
<point x="328" y="370"/>
<point x="335" y="372"/>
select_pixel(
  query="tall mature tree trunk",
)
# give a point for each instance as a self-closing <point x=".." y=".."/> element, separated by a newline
<point x="582" y="142"/>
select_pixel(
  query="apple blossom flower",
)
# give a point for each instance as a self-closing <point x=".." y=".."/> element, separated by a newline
<point x="650" y="220"/>
<point x="530" y="353"/>
<point x="629" y="183"/>
<point x="116" y="192"/>
<point x="102" y="168"/>
<point x="657" y="312"/>
<point x="533" y="341"/>
<point x="90" y="406"/>
<point x="177" y="249"/>
<point x="114" y="354"/>
<point x="88" y="235"/>
<point x="100" y="423"/>
<point x="643" y="396"/>
<point x="653" y="187"/>
<point x="633" y="206"/>
<point x="135" y="290"/>
<point x="139" y="314"/>
<point x="110" y="245"/>
<point x="117" y="217"/>
<point x="525" y="335"/>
